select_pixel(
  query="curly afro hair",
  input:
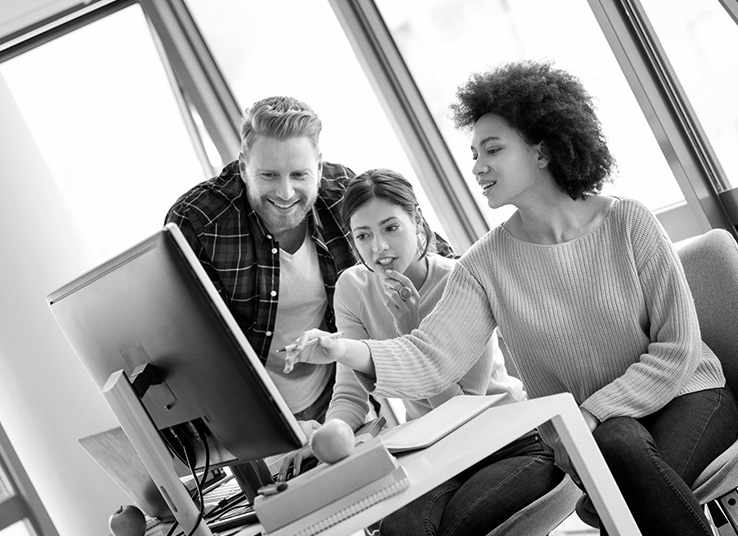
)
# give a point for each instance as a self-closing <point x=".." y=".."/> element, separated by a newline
<point x="548" y="105"/>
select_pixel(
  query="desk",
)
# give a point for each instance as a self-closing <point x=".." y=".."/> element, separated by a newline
<point x="487" y="433"/>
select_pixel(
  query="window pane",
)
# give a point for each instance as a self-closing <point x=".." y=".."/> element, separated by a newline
<point x="6" y="490"/>
<point x="100" y="107"/>
<point x="445" y="40"/>
<point x="21" y="528"/>
<point x="700" y="39"/>
<point x="297" y="48"/>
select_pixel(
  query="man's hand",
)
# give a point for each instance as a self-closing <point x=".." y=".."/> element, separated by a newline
<point x="294" y="459"/>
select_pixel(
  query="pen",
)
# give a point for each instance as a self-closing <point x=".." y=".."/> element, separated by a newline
<point x="310" y="342"/>
<point x="272" y="489"/>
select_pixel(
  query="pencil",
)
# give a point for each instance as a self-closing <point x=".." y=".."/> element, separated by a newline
<point x="311" y="341"/>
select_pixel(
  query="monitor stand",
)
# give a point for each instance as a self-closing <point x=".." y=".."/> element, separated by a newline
<point x="136" y="423"/>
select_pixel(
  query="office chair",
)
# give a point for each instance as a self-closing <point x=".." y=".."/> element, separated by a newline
<point x="711" y="265"/>
<point x="545" y="514"/>
<point x="542" y="516"/>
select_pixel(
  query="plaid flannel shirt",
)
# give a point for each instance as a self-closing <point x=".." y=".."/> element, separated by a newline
<point x="242" y="258"/>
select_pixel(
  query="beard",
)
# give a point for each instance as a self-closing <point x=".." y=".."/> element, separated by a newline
<point x="277" y="221"/>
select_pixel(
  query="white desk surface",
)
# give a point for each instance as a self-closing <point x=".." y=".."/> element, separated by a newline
<point x="485" y="434"/>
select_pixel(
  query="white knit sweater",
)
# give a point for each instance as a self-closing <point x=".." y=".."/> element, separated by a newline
<point x="361" y="313"/>
<point x="607" y="316"/>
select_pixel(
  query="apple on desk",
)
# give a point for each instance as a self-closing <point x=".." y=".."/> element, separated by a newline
<point x="333" y="441"/>
<point x="127" y="521"/>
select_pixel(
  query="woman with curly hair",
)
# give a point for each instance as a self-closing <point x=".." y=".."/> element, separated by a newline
<point x="587" y="291"/>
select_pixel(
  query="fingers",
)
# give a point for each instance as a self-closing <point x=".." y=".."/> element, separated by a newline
<point x="292" y="463"/>
<point x="286" y="466"/>
<point x="290" y="360"/>
<point x="314" y="346"/>
<point x="398" y="278"/>
<point x="297" y="464"/>
<point x="295" y="349"/>
<point x="395" y="281"/>
<point x="400" y="293"/>
<point x="309" y="427"/>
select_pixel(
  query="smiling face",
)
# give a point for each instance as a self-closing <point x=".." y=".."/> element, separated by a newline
<point x="386" y="237"/>
<point x="282" y="178"/>
<point x="506" y="166"/>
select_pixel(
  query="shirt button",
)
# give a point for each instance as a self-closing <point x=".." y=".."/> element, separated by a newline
<point x="274" y="251"/>
<point x="268" y="333"/>
<point x="274" y="293"/>
<point x="269" y="236"/>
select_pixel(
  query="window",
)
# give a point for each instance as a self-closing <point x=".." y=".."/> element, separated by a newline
<point x="21" y="511"/>
<point x="262" y="51"/>
<point x="19" y="528"/>
<point x="5" y="488"/>
<point x="464" y="36"/>
<point x="700" y="40"/>
<point x="102" y="111"/>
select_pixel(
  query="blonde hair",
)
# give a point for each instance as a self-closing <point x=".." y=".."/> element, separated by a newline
<point x="279" y="117"/>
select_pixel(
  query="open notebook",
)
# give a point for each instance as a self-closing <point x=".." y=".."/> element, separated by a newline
<point x="434" y="425"/>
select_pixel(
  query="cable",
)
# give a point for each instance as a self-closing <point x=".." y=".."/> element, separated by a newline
<point x="198" y="483"/>
<point x="227" y="504"/>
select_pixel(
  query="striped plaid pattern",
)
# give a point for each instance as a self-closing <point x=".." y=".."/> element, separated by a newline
<point x="242" y="259"/>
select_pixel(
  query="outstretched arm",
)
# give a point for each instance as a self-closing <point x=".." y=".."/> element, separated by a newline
<point x="354" y="354"/>
<point x="420" y="365"/>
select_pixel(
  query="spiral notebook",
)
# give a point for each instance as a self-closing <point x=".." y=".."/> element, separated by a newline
<point x="330" y="493"/>
<point x="350" y="505"/>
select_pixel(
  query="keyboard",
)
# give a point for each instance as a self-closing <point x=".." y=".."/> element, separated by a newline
<point x="227" y="507"/>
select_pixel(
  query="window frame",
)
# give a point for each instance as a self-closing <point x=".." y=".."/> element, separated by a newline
<point x="663" y="102"/>
<point x="24" y="504"/>
<point x="731" y="7"/>
<point x="671" y="117"/>
<point x="416" y="128"/>
<point x="201" y="89"/>
<point x="196" y="76"/>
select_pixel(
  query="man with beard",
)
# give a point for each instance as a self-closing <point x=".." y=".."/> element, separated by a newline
<point x="267" y="231"/>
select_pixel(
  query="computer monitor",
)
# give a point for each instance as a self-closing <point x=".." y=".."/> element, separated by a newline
<point x="155" y="305"/>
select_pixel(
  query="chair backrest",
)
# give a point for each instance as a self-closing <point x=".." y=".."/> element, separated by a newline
<point x="711" y="266"/>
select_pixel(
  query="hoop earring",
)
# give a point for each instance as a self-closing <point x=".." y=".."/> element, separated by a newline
<point x="422" y="241"/>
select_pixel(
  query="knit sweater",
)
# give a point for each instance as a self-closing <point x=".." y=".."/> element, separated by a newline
<point x="607" y="316"/>
<point x="361" y="314"/>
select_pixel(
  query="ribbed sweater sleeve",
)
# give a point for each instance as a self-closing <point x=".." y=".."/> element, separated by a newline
<point x="443" y="348"/>
<point x="607" y="316"/>
<point x="350" y="401"/>
<point x="663" y="370"/>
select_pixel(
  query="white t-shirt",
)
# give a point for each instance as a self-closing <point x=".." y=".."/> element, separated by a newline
<point x="302" y="303"/>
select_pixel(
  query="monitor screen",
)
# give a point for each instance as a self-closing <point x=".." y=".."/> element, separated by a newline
<point x="154" y="304"/>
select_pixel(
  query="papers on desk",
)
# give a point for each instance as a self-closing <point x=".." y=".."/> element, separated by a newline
<point x="438" y="423"/>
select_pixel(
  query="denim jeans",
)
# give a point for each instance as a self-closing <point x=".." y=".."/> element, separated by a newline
<point x="482" y="497"/>
<point x="656" y="459"/>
